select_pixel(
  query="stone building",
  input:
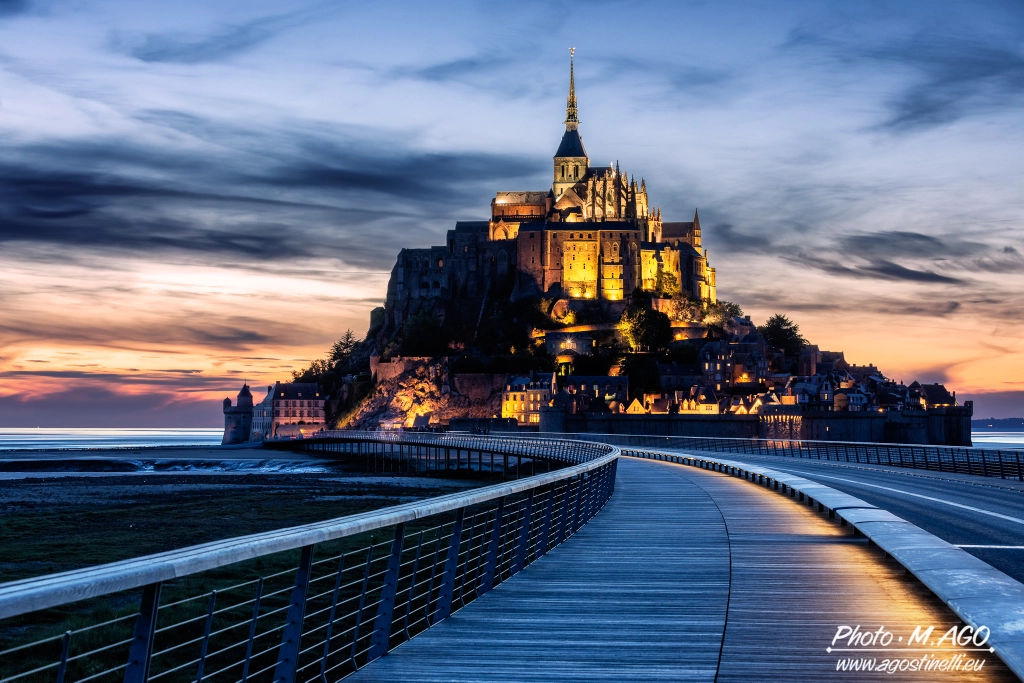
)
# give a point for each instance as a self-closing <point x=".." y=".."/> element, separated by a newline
<point x="592" y="235"/>
<point x="524" y="396"/>
<point x="288" y="409"/>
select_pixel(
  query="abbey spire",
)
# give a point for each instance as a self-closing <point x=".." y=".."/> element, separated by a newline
<point x="572" y="120"/>
<point x="571" y="162"/>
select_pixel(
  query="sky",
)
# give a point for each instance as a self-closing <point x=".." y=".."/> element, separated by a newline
<point x="196" y="194"/>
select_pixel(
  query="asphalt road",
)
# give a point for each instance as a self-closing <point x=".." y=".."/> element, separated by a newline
<point x="983" y="515"/>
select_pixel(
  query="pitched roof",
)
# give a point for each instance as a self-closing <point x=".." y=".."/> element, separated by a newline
<point x="676" y="230"/>
<point x="292" y="390"/>
<point x="936" y="394"/>
<point x="571" y="145"/>
<point x="537" y="198"/>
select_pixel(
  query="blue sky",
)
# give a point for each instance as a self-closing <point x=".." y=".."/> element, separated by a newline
<point x="196" y="193"/>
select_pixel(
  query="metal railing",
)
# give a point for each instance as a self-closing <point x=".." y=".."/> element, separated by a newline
<point x="299" y="604"/>
<point x="986" y="462"/>
<point x="417" y="452"/>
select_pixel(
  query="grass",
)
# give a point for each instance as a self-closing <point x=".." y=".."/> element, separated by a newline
<point x="60" y="524"/>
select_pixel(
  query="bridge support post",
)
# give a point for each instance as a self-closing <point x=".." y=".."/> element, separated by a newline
<point x="288" y="655"/>
<point x="524" y="536"/>
<point x="142" y="643"/>
<point x="381" y="637"/>
<point x="447" y="590"/>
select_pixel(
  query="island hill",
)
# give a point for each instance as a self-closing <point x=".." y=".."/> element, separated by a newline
<point x="579" y="309"/>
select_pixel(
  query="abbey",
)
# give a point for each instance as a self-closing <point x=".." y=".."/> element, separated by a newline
<point x="592" y="235"/>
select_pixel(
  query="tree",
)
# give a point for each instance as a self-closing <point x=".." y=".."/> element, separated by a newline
<point x="783" y="334"/>
<point x="666" y="284"/>
<point x="720" y="312"/>
<point x="341" y="351"/>
<point x="644" y="328"/>
<point x="686" y="310"/>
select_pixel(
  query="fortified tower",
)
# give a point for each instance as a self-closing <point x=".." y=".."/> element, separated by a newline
<point x="238" y="419"/>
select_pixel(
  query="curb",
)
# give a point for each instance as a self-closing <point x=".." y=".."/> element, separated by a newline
<point x="978" y="593"/>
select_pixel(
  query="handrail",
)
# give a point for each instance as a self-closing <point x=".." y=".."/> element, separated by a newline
<point x="29" y="595"/>
<point x="966" y="584"/>
<point x="987" y="462"/>
<point x="562" y="449"/>
<point x="383" y="593"/>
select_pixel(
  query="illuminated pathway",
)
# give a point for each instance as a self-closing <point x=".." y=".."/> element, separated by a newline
<point x="686" y="575"/>
<point x="983" y="515"/>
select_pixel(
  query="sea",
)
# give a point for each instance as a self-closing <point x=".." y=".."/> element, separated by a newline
<point x="40" y="439"/>
<point x="46" y="439"/>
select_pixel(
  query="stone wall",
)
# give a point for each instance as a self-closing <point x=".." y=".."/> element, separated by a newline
<point x="734" y="426"/>
<point x="938" y="426"/>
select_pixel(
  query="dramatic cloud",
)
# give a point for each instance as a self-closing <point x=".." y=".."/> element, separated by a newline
<point x="881" y="269"/>
<point x="318" y="195"/>
<point x="956" y="70"/>
<point x="199" y="194"/>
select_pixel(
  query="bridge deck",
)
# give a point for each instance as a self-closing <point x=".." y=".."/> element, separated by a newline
<point x="684" y="576"/>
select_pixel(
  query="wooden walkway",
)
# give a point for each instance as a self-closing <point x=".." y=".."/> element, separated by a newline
<point x="686" y="575"/>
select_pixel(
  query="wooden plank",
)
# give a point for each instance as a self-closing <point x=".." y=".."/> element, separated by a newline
<point x="639" y="593"/>
<point x="681" y="563"/>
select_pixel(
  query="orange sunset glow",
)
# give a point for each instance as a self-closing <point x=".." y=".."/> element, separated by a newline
<point x="189" y="200"/>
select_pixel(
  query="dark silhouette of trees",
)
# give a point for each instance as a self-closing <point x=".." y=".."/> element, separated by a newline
<point x="783" y="334"/>
<point x="645" y="329"/>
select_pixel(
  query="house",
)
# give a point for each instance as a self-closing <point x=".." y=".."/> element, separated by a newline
<point x="698" y="401"/>
<point x="524" y="396"/>
<point x="635" y="408"/>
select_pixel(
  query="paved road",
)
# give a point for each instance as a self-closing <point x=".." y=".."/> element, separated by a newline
<point x="685" y="575"/>
<point x="983" y="515"/>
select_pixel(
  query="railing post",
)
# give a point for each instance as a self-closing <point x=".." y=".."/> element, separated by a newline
<point x="385" y="611"/>
<point x="141" y="649"/>
<point x="524" y="535"/>
<point x="563" y="515"/>
<point x="206" y="636"/>
<point x="65" y="647"/>
<point x="288" y="655"/>
<point x="580" y="496"/>
<point x="447" y="589"/>
<point x="252" y="629"/>
<point x="330" y="617"/>
<point x="491" y="563"/>
<point x="545" y="529"/>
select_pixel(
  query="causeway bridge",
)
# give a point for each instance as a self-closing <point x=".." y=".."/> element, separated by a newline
<point x="593" y="558"/>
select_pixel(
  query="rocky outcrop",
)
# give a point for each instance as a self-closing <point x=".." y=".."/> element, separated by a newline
<point x="425" y="387"/>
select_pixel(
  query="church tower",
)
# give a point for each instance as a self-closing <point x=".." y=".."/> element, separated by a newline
<point x="571" y="160"/>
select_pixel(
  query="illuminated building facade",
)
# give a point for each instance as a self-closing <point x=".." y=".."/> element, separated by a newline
<point x="592" y="235"/>
<point x="524" y="396"/>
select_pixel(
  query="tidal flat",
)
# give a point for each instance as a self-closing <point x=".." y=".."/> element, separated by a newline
<point x="63" y="522"/>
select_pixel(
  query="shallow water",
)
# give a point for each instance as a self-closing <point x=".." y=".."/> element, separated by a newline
<point x="45" y="438"/>
<point x="994" y="438"/>
<point x="39" y="439"/>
